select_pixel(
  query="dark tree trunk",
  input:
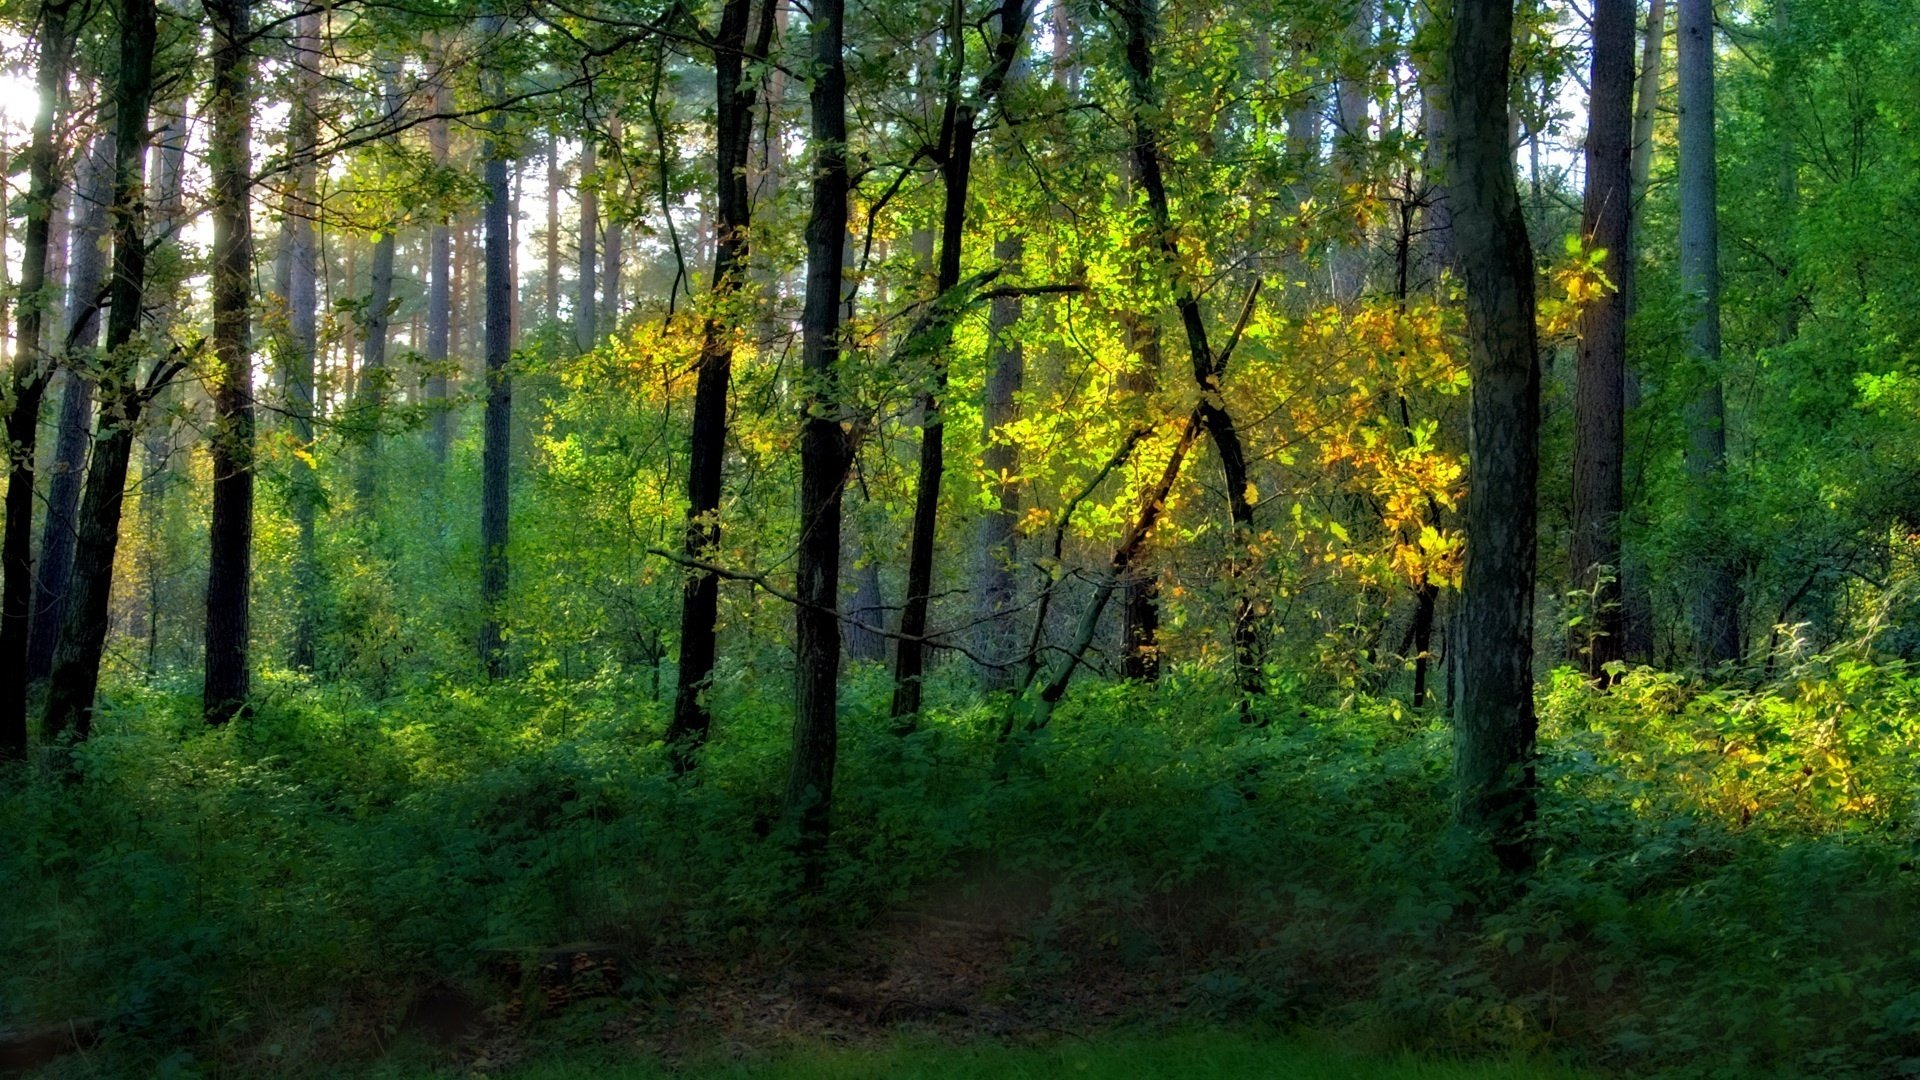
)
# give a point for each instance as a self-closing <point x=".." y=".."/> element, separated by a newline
<point x="1716" y="597"/>
<point x="30" y="373"/>
<point x="87" y="269"/>
<point x="83" y="634"/>
<point x="1208" y="369"/>
<point x="957" y="131"/>
<point x="1493" y="720"/>
<point x="1636" y="594"/>
<point x="585" y="327"/>
<point x="498" y="432"/>
<point x="301" y="291"/>
<point x="612" y="242"/>
<point x="825" y="454"/>
<point x="1599" y="424"/>
<point x="230" y="532"/>
<point x="439" y="289"/>
<point x="377" y="327"/>
<point x="999" y="539"/>
<point x="735" y="101"/>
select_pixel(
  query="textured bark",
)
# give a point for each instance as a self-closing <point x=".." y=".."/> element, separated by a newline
<point x="999" y="636"/>
<point x="29" y="374"/>
<point x="498" y="430"/>
<point x="439" y="289"/>
<point x="734" y="104"/>
<point x="1636" y="595"/>
<point x="83" y="634"/>
<point x="93" y="186"/>
<point x="555" y="178"/>
<point x="300" y="288"/>
<point x="1599" y="408"/>
<point x="825" y="454"/>
<point x="1141" y="17"/>
<point x="1715" y="601"/>
<point x="955" y="156"/>
<point x="585" y="326"/>
<point x="376" y="326"/>
<point x="228" y="678"/>
<point x="1494" y="724"/>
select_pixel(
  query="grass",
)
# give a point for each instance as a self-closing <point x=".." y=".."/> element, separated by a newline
<point x="1188" y="1056"/>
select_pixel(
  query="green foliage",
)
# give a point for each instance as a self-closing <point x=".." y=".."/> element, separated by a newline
<point x="1725" y="884"/>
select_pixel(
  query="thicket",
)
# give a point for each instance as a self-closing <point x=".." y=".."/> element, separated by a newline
<point x="1726" y="886"/>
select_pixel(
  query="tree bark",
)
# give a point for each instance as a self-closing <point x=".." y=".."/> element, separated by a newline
<point x="555" y="177"/>
<point x="612" y="244"/>
<point x="377" y="326"/>
<point x="228" y="678"/>
<point x="825" y="454"/>
<point x="955" y="157"/>
<point x="1715" y="600"/>
<point x="301" y="292"/>
<point x="585" y="327"/>
<point x="439" y="289"/>
<point x="83" y="634"/>
<point x="30" y="373"/>
<point x="735" y="100"/>
<point x="1636" y="597"/>
<point x="498" y="430"/>
<point x="1494" y="725"/>
<point x="1599" y="421"/>
<point x="93" y="186"/>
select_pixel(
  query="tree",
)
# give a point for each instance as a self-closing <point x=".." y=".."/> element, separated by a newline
<point x="1716" y="596"/>
<point x="440" y="281"/>
<point x="1493" y="720"/>
<point x="124" y="392"/>
<point x="1599" y="453"/>
<point x="954" y="154"/>
<point x="299" y="288"/>
<point x="498" y="430"/>
<point x="29" y="380"/>
<point x="825" y="453"/>
<point x="585" y="330"/>
<point x="230" y="534"/>
<point x="735" y="99"/>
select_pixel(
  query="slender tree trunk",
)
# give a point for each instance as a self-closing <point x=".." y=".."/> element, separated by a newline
<point x="555" y="178"/>
<point x="30" y="373"/>
<point x="585" y="326"/>
<point x="230" y="551"/>
<point x="1208" y="369"/>
<point x="301" y="288"/>
<point x="1716" y="599"/>
<point x="87" y="269"/>
<point x="734" y="103"/>
<point x="1599" y="424"/>
<point x="83" y="635"/>
<point x="370" y="401"/>
<point x="825" y="454"/>
<point x="499" y="414"/>
<point x="1636" y="596"/>
<point x="957" y="128"/>
<point x="612" y="245"/>
<point x="999" y="538"/>
<point x="1493" y="720"/>
<point x="439" y="289"/>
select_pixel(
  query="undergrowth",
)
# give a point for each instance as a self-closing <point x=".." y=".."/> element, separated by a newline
<point x="1726" y="884"/>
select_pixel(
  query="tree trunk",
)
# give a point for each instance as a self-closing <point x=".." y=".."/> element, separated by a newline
<point x="1715" y="601"/>
<point x="555" y="178"/>
<point x="300" y="290"/>
<point x="585" y="327"/>
<point x="734" y="103"/>
<point x="1208" y="369"/>
<point x="439" y="289"/>
<point x="87" y="269"/>
<point x="370" y="402"/>
<point x="30" y="373"/>
<point x="498" y="432"/>
<point x="230" y="533"/>
<point x="956" y="164"/>
<point x="1599" y="422"/>
<point x="1493" y="720"/>
<point x="1000" y="460"/>
<point x="83" y="634"/>
<point x="824" y="455"/>
<point x="612" y="242"/>
<point x="1636" y="596"/>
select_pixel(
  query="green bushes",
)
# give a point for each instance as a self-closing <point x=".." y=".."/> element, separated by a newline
<point x="1726" y="885"/>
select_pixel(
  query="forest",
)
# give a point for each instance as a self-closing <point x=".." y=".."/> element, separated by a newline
<point x="960" y="538"/>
